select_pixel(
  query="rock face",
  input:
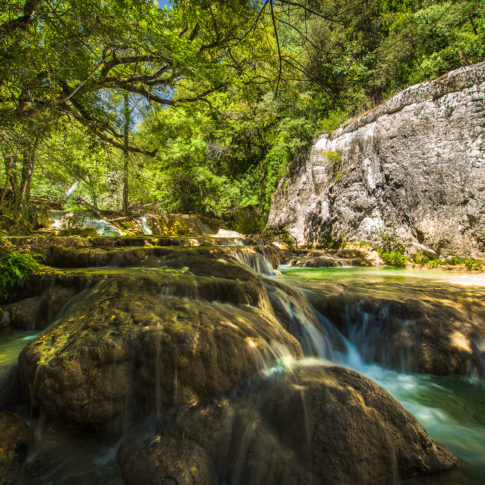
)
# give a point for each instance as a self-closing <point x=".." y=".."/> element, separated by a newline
<point x="310" y="424"/>
<point x="415" y="164"/>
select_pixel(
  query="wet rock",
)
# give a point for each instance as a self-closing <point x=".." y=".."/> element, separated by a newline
<point x="310" y="424"/>
<point x="334" y="258"/>
<point x="26" y="313"/>
<point x="421" y="326"/>
<point x="256" y="257"/>
<point x="36" y="312"/>
<point x="143" y="339"/>
<point x="14" y="441"/>
<point x="168" y="462"/>
<point x="295" y="314"/>
<point x="415" y="165"/>
<point x="4" y="318"/>
<point x="9" y="388"/>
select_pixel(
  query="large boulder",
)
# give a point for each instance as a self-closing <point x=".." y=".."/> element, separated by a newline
<point x="143" y="339"/>
<point x="415" y="165"/>
<point x="14" y="441"/>
<point x="311" y="423"/>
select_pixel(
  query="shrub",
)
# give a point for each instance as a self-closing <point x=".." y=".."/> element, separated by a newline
<point x="330" y="241"/>
<point x="470" y="263"/>
<point x="393" y="258"/>
<point x="334" y="163"/>
<point x="390" y="241"/>
<point x="14" y="272"/>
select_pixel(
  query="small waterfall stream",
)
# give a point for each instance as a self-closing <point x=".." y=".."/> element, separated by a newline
<point x="451" y="408"/>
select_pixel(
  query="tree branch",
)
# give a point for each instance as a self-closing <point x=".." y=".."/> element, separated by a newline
<point x="280" y="59"/>
<point x="22" y="22"/>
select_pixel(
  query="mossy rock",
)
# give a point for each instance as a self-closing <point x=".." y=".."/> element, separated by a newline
<point x="14" y="441"/>
<point x="141" y="340"/>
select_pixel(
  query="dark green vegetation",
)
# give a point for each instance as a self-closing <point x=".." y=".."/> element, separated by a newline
<point x="14" y="272"/>
<point x="202" y="107"/>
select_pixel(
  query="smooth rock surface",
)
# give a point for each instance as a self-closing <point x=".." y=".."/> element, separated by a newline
<point x="308" y="424"/>
<point x="415" y="164"/>
<point x="139" y="340"/>
<point x="419" y="326"/>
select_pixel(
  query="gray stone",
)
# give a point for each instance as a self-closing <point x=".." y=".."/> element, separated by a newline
<point x="415" y="164"/>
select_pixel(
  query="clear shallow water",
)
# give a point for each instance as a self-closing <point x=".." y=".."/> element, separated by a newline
<point x="451" y="408"/>
<point x="11" y="344"/>
<point x="358" y="274"/>
<point x="59" y="457"/>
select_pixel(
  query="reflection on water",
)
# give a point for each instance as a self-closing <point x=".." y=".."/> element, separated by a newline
<point x="368" y="274"/>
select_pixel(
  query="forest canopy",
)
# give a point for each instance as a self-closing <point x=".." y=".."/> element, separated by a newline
<point x="203" y="106"/>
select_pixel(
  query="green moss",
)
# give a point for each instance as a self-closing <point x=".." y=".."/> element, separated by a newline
<point x="84" y="232"/>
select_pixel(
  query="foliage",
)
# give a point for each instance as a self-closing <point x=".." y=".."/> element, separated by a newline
<point x="393" y="258"/>
<point x="14" y="272"/>
<point x="391" y="249"/>
<point x="470" y="263"/>
<point x="330" y="241"/>
<point x="224" y="98"/>
<point x="389" y="241"/>
<point x="334" y="163"/>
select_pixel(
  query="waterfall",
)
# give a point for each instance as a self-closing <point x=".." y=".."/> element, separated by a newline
<point x="255" y="260"/>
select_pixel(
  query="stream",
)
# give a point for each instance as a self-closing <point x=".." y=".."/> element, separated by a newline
<point x="451" y="408"/>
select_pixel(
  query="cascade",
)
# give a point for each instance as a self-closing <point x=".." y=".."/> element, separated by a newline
<point x="141" y="358"/>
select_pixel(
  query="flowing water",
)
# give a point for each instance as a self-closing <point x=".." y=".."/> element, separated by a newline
<point x="452" y="409"/>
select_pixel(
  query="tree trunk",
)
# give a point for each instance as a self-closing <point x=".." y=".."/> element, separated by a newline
<point x="126" y="160"/>
<point x="28" y="164"/>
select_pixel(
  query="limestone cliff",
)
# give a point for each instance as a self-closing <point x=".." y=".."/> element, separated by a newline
<point x="415" y="164"/>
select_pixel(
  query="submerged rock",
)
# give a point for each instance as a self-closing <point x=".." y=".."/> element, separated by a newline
<point x="414" y="165"/>
<point x="310" y="424"/>
<point x="14" y="441"/>
<point x="334" y="258"/>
